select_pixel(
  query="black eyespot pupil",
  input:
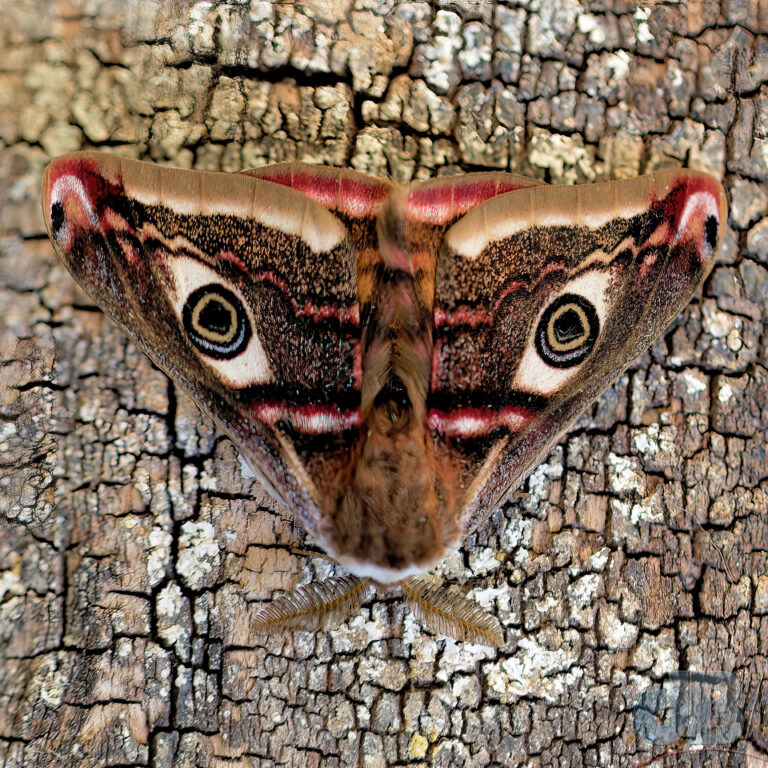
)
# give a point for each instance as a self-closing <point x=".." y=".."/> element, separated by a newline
<point x="711" y="227"/>
<point x="568" y="327"/>
<point x="216" y="317"/>
<point x="216" y="322"/>
<point x="567" y="331"/>
<point x="57" y="217"/>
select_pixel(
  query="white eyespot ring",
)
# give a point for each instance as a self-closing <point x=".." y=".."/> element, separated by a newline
<point x="564" y="334"/>
<point x="216" y="318"/>
<point x="567" y="331"/>
<point x="216" y="322"/>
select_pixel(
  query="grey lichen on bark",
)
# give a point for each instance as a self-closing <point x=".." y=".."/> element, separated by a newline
<point x="135" y="551"/>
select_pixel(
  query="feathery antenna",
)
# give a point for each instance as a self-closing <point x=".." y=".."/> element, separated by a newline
<point x="314" y="606"/>
<point x="449" y="613"/>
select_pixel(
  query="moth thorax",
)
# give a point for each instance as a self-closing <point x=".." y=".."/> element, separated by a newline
<point x="392" y="514"/>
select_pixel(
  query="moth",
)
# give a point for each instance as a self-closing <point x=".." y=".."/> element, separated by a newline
<point x="391" y="361"/>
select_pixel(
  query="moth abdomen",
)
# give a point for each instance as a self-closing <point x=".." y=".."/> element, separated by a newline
<point x="393" y="400"/>
<point x="395" y="515"/>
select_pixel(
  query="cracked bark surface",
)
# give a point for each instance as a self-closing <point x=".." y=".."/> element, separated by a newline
<point x="134" y="553"/>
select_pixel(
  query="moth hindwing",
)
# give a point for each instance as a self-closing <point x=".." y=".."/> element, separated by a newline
<point x="390" y="361"/>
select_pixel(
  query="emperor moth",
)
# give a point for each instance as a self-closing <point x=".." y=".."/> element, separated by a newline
<point x="391" y="361"/>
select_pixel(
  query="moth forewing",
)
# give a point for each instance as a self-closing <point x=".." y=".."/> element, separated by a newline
<point x="392" y="361"/>
<point x="564" y="288"/>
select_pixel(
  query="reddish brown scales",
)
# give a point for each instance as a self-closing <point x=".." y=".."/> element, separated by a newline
<point x="409" y="353"/>
<point x="347" y="192"/>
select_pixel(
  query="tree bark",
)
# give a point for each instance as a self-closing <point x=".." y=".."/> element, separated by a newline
<point x="135" y="553"/>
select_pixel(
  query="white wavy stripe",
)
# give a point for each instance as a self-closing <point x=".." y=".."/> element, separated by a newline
<point x="468" y="424"/>
<point x="698" y="203"/>
<point x="310" y="420"/>
<point x="517" y="211"/>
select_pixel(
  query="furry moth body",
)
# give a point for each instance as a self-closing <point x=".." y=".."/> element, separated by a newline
<point x="391" y="361"/>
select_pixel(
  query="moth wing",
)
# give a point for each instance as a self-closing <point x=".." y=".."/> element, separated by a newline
<point x="543" y="297"/>
<point x="441" y="201"/>
<point x="243" y="289"/>
<point x="353" y="195"/>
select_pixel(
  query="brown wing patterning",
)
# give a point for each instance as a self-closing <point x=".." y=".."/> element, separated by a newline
<point x="544" y="297"/>
<point x="243" y="290"/>
<point x="390" y="360"/>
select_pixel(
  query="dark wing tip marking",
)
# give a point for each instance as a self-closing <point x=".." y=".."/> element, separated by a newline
<point x="57" y="218"/>
<point x="712" y="228"/>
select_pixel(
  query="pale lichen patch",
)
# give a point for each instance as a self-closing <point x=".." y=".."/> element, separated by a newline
<point x="535" y="671"/>
<point x="760" y="603"/>
<point x="724" y="392"/>
<point x="391" y="674"/>
<point x="582" y="596"/>
<point x="359" y="631"/>
<point x="647" y="510"/>
<point x="695" y="381"/>
<point x="461" y="657"/>
<point x="10" y="585"/>
<point x="451" y="566"/>
<point x="440" y="57"/>
<point x="7" y="432"/>
<point x="172" y="610"/>
<point x="566" y="158"/>
<point x="655" y="441"/>
<point x="516" y="534"/>
<point x="599" y="559"/>
<point x="718" y="323"/>
<point x="52" y="681"/>
<point x="656" y="653"/>
<point x="614" y="633"/>
<point x="199" y="557"/>
<point x="647" y="440"/>
<point x="487" y="597"/>
<point x="208" y="477"/>
<point x="625" y="475"/>
<point x="483" y="561"/>
<point x="158" y="554"/>
<point x="643" y="30"/>
<point x="540" y="479"/>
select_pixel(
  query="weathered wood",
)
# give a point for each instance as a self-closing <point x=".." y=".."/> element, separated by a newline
<point x="134" y="551"/>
